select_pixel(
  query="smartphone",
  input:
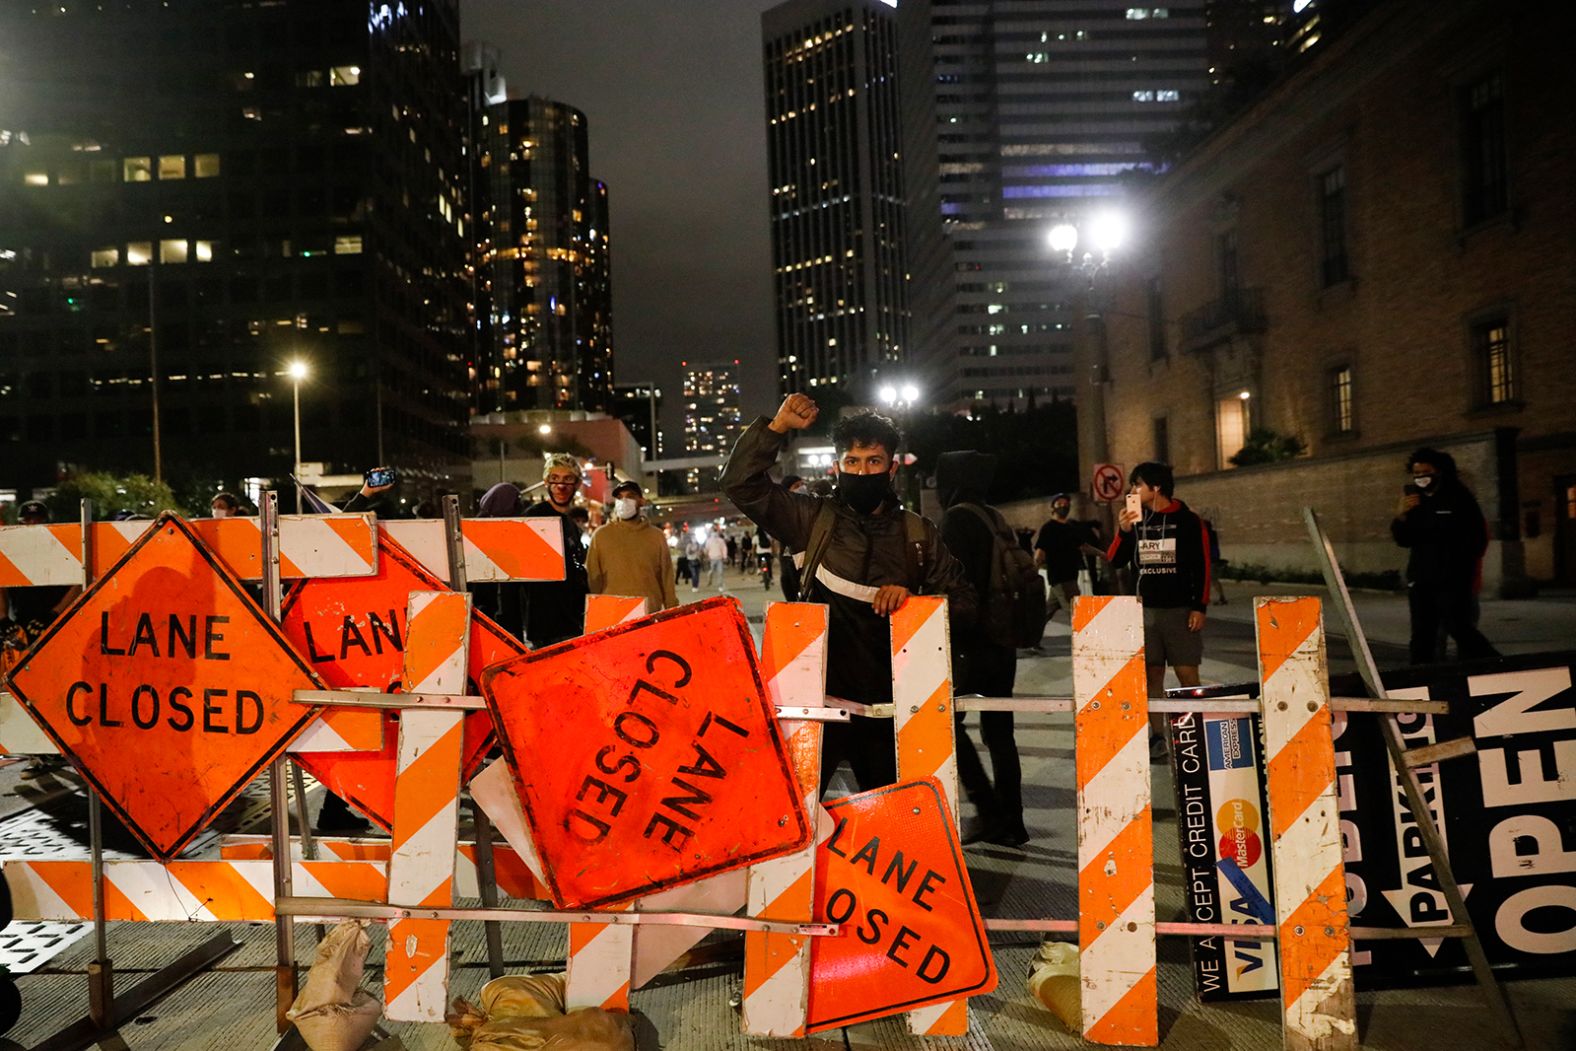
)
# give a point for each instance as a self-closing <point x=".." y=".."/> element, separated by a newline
<point x="380" y="476"/>
<point x="1410" y="490"/>
<point x="1135" y="505"/>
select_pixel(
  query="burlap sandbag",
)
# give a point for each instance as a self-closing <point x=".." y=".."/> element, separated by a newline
<point x="525" y="1013"/>
<point x="332" y="1013"/>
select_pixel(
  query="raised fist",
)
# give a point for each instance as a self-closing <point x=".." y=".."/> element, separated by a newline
<point x="796" y="413"/>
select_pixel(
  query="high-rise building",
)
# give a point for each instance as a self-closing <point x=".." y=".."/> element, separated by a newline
<point x="639" y="405"/>
<point x="194" y="193"/>
<point x="1042" y="112"/>
<point x="834" y="159"/>
<point x="713" y="414"/>
<point x="543" y="269"/>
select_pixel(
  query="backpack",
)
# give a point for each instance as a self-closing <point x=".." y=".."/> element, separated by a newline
<point x="1014" y="612"/>
<point x="821" y="536"/>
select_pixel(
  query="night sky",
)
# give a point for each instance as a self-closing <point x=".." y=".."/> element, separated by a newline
<point x="673" y="94"/>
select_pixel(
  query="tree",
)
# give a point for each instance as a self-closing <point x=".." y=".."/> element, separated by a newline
<point x="1266" y="446"/>
<point x="111" y="494"/>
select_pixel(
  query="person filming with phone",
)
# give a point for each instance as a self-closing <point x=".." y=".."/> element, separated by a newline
<point x="1168" y="546"/>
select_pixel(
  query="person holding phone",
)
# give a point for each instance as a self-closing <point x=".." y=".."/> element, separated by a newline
<point x="1168" y="546"/>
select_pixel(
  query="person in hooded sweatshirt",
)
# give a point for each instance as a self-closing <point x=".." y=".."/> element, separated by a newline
<point x="875" y="555"/>
<point x="1440" y="523"/>
<point x="501" y="602"/>
<point x="1168" y="546"/>
<point x="982" y="664"/>
<point x="629" y="555"/>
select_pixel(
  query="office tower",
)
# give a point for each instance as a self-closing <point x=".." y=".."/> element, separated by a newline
<point x="835" y="165"/>
<point x="639" y="405"/>
<point x="225" y="187"/>
<point x="543" y="268"/>
<point x="1043" y="113"/>
<point x="713" y="415"/>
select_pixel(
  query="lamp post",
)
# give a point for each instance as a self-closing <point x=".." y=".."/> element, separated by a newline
<point x="1106" y="234"/>
<point x="900" y="398"/>
<point x="297" y="371"/>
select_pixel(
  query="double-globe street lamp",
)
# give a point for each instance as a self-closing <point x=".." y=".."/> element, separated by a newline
<point x="900" y="398"/>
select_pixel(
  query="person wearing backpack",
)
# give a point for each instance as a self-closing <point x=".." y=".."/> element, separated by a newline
<point x="861" y="554"/>
<point x="1011" y="599"/>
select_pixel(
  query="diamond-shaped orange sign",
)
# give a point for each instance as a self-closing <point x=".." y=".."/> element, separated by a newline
<point x="352" y="631"/>
<point x="892" y="875"/>
<point x="647" y="755"/>
<point x="167" y="686"/>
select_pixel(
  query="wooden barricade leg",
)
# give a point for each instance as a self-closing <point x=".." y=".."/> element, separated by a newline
<point x="426" y="808"/>
<point x="926" y="742"/>
<point x="1317" y="1002"/>
<point x="777" y="966"/>
<point x="1116" y="855"/>
<point x="602" y="955"/>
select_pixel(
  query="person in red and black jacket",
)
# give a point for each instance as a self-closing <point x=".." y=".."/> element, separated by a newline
<point x="1168" y="545"/>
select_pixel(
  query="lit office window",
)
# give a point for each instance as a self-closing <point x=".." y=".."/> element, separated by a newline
<point x="172" y="167"/>
<point x="137" y="169"/>
<point x="347" y="244"/>
<point x="106" y="257"/>
<point x="36" y="178"/>
<point x="1342" y="413"/>
<point x="206" y="165"/>
<point x="172" y="251"/>
<point x="202" y="251"/>
<point x="344" y="76"/>
<point x="139" y="253"/>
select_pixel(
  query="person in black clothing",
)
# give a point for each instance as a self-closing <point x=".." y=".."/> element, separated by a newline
<point x="33" y="610"/>
<point x="556" y="610"/>
<point x="1168" y="545"/>
<point x="790" y="573"/>
<point x="982" y="664"/>
<point x="503" y="603"/>
<point x="1440" y="522"/>
<point x="869" y="568"/>
<point x="1060" y="550"/>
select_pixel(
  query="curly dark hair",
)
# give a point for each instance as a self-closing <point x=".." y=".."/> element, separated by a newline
<point x="1442" y="462"/>
<point x="866" y="427"/>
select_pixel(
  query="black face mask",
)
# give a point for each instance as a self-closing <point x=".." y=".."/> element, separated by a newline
<point x="864" y="492"/>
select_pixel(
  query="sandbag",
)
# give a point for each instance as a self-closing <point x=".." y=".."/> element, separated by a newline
<point x="1053" y="982"/>
<point x="526" y="1013"/>
<point x="331" y="1012"/>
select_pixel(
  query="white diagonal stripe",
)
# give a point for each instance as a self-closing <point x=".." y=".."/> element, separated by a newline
<point x="40" y="557"/>
<point x="32" y="898"/>
<point x="777" y="1007"/>
<point x="921" y="1019"/>
<point x="1295" y="683"/>
<point x="1306" y="852"/>
<point x="320" y="736"/>
<point x="1113" y="797"/>
<point x="1115" y="961"/>
<point x="317" y="550"/>
<point x="156" y="893"/>
<point x="769" y="879"/>
<point x="493" y="790"/>
<point x="1311" y="1014"/>
<point x="1105" y="646"/>
<point x="598" y="970"/>
<point x="424" y="862"/>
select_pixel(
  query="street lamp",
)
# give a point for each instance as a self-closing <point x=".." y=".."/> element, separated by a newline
<point x="297" y="371"/>
<point x="901" y="397"/>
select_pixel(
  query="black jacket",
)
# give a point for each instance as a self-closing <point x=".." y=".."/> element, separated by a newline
<point x="965" y="478"/>
<point x="1447" y="536"/>
<point x="1170" y="549"/>
<point x="864" y="551"/>
<point x="556" y="609"/>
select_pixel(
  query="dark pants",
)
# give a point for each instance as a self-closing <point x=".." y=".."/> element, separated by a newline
<point x="867" y="744"/>
<point x="990" y="670"/>
<point x="1439" y="611"/>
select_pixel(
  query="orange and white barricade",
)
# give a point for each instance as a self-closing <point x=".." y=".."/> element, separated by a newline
<point x="496" y="549"/>
<point x="923" y="722"/>
<point x="426" y="807"/>
<point x="602" y="955"/>
<point x="1116" y="879"/>
<point x="777" y="966"/>
<point x="1318" y="1009"/>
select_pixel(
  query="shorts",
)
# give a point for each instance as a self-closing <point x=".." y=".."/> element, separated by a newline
<point x="1167" y="640"/>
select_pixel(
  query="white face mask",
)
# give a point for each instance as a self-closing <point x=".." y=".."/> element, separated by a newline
<point x="221" y="512"/>
<point x="625" y="507"/>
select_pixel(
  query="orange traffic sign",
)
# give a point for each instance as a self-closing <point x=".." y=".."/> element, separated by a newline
<point x="647" y="755"/>
<point x="353" y="632"/>
<point x="167" y="686"/>
<point x="892" y="874"/>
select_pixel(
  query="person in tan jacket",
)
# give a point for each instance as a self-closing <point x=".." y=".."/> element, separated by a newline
<point x="629" y="556"/>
